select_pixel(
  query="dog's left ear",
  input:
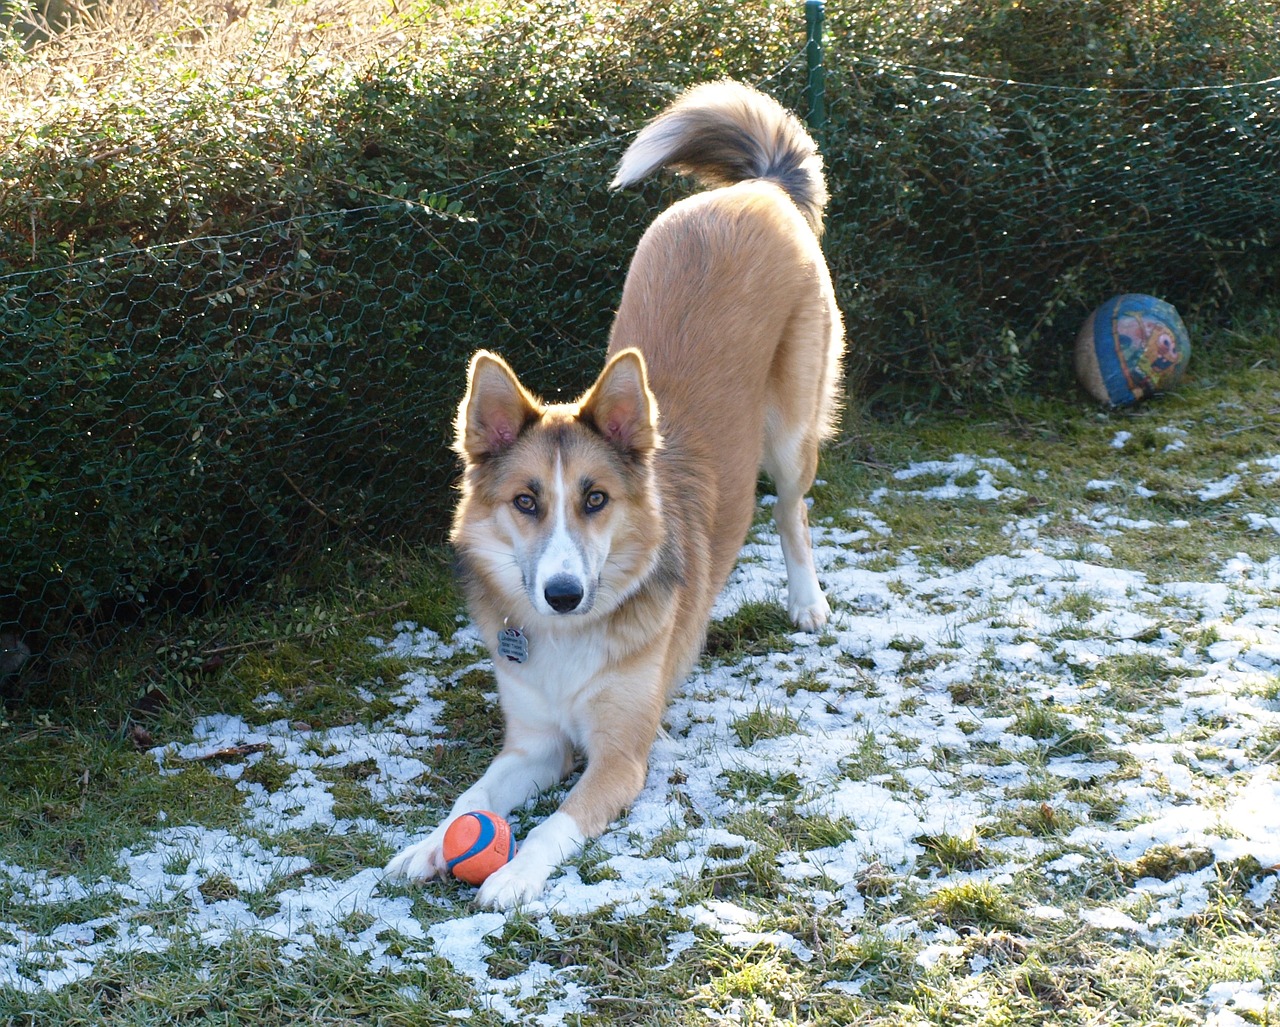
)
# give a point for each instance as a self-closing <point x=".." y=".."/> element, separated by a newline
<point x="620" y="406"/>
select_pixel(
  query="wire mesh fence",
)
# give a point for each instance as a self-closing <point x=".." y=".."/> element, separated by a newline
<point x="182" y="419"/>
<point x="979" y="220"/>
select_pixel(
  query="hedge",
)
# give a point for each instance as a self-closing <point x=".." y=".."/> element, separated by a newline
<point x="237" y="299"/>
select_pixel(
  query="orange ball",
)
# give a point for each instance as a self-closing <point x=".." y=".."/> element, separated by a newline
<point x="477" y="844"/>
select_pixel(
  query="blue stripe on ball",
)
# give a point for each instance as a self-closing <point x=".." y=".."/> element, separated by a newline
<point x="487" y="833"/>
<point x="1104" y="345"/>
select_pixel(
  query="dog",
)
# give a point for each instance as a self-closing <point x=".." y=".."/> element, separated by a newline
<point x="593" y="537"/>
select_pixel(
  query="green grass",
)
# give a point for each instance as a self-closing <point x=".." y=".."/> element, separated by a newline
<point x="762" y="723"/>
<point x="950" y="853"/>
<point x="754" y="629"/>
<point x="964" y="932"/>
<point x="977" y="905"/>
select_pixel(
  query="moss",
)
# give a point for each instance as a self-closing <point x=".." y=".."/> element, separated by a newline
<point x="1165" y="862"/>
<point x="754" y="629"/>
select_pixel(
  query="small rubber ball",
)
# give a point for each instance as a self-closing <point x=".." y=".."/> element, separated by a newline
<point x="477" y="844"/>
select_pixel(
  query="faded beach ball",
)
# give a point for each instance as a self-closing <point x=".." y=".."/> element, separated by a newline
<point x="1131" y="347"/>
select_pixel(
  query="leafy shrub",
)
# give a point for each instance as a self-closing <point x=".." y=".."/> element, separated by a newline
<point x="239" y="285"/>
<point x="241" y="302"/>
<point x="1064" y="152"/>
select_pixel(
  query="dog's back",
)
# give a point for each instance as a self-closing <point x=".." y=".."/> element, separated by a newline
<point x="729" y="299"/>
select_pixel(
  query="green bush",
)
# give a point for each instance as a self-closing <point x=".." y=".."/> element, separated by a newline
<point x="238" y="306"/>
<point x="1002" y="168"/>
<point x="237" y="299"/>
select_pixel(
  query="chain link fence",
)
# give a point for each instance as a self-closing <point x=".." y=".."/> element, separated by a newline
<point x="182" y="420"/>
<point x="231" y="401"/>
<point x="979" y="220"/>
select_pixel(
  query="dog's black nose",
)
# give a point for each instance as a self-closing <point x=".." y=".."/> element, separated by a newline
<point x="563" y="593"/>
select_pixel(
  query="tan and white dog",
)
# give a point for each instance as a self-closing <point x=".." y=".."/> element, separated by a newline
<point x="594" y="536"/>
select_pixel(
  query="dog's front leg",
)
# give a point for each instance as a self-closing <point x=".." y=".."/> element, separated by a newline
<point x="617" y="751"/>
<point x="530" y="761"/>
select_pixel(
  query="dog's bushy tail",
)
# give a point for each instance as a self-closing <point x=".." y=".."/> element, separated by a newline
<point x="725" y="132"/>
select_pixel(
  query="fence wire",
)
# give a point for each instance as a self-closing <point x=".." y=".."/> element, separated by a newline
<point x="182" y="420"/>
<point x="979" y="220"/>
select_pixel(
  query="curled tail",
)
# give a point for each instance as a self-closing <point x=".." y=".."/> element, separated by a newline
<point x="725" y="132"/>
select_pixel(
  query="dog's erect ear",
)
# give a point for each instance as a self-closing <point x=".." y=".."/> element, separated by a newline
<point x="620" y="406"/>
<point x="495" y="410"/>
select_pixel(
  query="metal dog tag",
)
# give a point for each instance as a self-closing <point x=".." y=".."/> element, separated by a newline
<point x="513" y="644"/>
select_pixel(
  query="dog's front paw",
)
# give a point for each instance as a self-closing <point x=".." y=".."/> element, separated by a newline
<point x="810" y="616"/>
<point x="421" y="861"/>
<point x="515" y="884"/>
<point x="523" y="879"/>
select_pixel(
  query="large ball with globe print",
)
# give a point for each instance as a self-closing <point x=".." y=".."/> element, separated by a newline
<point x="1131" y="347"/>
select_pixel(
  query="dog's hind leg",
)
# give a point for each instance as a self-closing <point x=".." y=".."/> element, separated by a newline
<point x="791" y="460"/>
<point x="799" y="413"/>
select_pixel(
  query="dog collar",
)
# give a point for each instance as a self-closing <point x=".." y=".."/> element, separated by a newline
<point x="513" y="644"/>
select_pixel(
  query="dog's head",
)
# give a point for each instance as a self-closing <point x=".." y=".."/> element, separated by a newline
<point x="559" y="502"/>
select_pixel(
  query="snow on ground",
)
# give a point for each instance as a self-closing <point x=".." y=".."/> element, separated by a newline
<point x="929" y="668"/>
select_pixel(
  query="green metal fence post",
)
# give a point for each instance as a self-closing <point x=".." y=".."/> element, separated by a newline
<point x="816" y="87"/>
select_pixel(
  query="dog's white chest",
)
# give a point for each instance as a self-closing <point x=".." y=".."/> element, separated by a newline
<point x="550" y="673"/>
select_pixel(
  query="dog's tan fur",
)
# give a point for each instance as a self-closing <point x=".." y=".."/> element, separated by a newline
<point x="724" y="358"/>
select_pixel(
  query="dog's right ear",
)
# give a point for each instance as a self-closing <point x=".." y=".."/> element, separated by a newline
<point x="495" y="410"/>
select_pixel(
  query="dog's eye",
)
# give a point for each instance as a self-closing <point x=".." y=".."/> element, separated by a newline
<point x="595" y="501"/>
<point x="525" y="503"/>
